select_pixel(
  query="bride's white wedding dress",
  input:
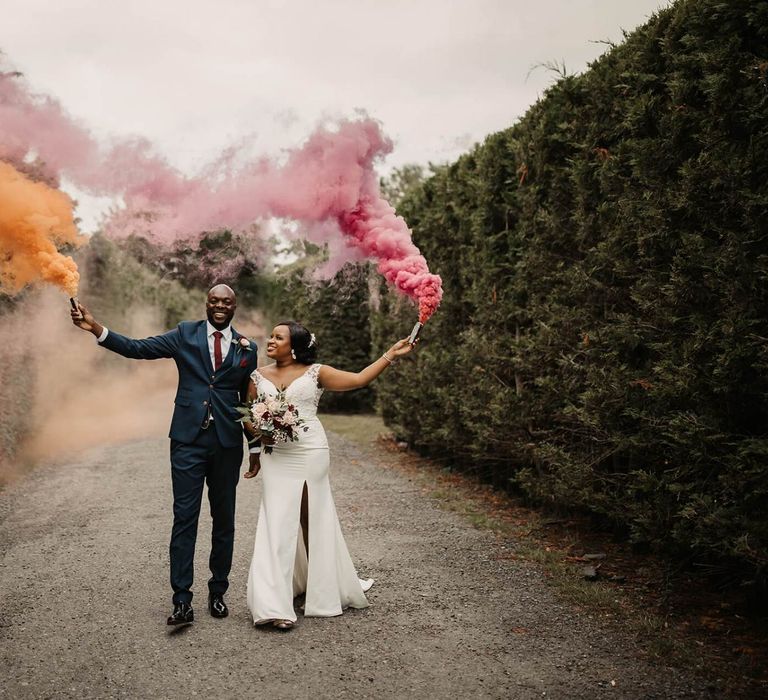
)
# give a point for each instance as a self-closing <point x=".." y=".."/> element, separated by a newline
<point x="279" y="568"/>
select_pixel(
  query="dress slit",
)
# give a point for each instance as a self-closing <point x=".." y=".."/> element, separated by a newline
<point x="301" y="560"/>
<point x="304" y="511"/>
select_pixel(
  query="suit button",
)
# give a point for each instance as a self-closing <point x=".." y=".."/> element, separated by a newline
<point x="210" y="386"/>
<point x="205" y="403"/>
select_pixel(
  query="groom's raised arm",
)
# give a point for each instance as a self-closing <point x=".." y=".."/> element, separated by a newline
<point x="153" y="348"/>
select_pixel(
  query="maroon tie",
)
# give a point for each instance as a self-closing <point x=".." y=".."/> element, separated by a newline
<point x="218" y="335"/>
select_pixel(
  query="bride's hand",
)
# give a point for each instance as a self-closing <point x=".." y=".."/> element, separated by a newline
<point x="254" y="465"/>
<point x="401" y="347"/>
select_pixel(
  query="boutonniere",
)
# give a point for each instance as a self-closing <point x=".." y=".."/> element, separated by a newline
<point x="243" y="344"/>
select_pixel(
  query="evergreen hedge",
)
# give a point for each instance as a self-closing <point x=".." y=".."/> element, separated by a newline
<point x="603" y="340"/>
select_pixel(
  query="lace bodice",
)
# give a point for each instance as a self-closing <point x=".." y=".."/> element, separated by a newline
<point x="303" y="391"/>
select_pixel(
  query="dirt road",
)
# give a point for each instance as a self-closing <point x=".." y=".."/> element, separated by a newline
<point x="84" y="597"/>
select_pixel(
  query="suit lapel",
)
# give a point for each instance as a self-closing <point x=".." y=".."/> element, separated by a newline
<point x="227" y="361"/>
<point x="202" y="346"/>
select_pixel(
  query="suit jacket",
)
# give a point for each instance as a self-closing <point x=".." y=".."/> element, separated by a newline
<point x="200" y="387"/>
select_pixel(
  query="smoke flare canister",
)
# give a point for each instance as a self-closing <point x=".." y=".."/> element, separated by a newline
<point x="74" y="304"/>
<point x="415" y="332"/>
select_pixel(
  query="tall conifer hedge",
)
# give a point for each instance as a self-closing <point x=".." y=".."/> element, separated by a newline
<point x="603" y="341"/>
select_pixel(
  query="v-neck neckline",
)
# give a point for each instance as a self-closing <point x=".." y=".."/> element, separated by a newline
<point x="289" y="385"/>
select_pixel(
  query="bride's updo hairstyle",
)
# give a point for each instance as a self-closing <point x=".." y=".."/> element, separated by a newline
<point x="303" y="342"/>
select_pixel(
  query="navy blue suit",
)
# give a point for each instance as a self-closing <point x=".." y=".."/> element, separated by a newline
<point x="201" y="449"/>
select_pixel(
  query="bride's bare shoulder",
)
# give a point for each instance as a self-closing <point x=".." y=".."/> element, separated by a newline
<point x="266" y="371"/>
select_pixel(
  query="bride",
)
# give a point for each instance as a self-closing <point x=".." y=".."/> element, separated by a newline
<point x="299" y="547"/>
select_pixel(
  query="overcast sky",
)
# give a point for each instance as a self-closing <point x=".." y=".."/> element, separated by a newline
<point x="194" y="76"/>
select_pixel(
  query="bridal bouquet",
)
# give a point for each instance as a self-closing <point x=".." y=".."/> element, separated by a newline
<point x="275" y="418"/>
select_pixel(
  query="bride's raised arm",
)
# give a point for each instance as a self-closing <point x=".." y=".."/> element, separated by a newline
<point x="339" y="380"/>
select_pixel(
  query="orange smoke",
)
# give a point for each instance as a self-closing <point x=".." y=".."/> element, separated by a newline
<point x="34" y="220"/>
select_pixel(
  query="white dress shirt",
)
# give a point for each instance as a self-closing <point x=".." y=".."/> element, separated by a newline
<point x="226" y="341"/>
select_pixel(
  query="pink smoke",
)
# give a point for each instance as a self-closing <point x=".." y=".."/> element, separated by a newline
<point x="329" y="185"/>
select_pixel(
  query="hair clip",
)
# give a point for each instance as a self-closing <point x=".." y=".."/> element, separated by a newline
<point x="311" y="340"/>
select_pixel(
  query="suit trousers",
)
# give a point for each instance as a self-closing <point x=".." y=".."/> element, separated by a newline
<point x="192" y="465"/>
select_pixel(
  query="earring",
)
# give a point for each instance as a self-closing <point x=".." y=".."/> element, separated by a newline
<point x="293" y="354"/>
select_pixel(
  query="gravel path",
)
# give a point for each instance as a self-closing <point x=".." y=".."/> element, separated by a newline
<point x="84" y="597"/>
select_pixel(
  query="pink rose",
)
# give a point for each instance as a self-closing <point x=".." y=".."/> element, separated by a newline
<point x="289" y="418"/>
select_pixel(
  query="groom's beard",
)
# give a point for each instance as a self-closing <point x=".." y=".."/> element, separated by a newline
<point x="220" y="325"/>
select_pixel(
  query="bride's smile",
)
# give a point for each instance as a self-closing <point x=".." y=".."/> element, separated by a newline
<point x="279" y="343"/>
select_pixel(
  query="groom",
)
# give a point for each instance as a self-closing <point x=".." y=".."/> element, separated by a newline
<point x="214" y="363"/>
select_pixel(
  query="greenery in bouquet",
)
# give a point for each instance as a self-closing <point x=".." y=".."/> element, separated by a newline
<point x="274" y="418"/>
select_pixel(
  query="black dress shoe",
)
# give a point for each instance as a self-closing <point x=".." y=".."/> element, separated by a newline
<point x="182" y="614"/>
<point x="217" y="606"/>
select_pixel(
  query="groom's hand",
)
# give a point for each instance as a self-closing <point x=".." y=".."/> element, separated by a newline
<point x="254" y="465"/>
<point x="83" y="318"/>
